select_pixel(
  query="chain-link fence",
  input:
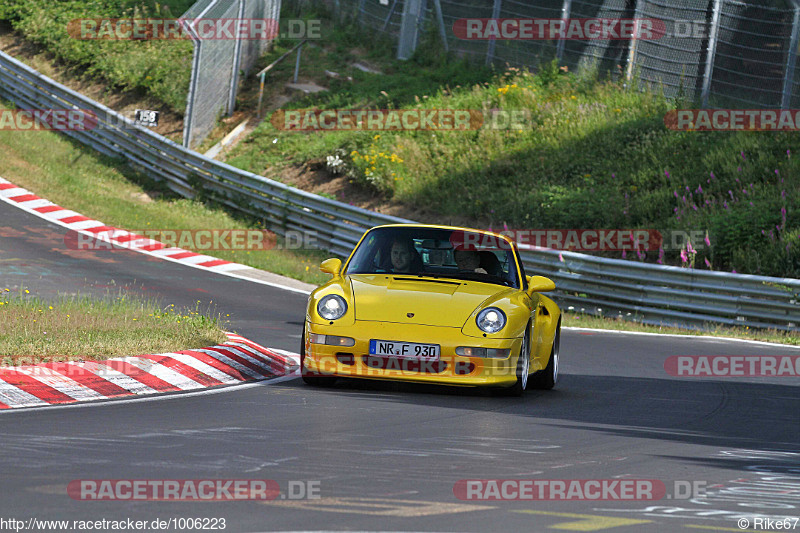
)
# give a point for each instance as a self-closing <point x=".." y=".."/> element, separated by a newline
<point x="717" y="53"/>
<point x="216" y="62"/>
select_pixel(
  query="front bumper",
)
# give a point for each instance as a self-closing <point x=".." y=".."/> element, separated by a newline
<point x="451" y="369"/>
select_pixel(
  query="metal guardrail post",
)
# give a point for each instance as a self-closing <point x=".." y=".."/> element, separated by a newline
<point x="565" y="12"/>
<point x="788" y="82"/>
<point x="713" y="34"/>
<point x="498" y="5"/>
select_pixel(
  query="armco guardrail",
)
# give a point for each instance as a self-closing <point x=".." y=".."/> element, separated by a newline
<point x="645" y="292"/>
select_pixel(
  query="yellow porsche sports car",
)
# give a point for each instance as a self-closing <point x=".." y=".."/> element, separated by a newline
<point x="435" y="304"/>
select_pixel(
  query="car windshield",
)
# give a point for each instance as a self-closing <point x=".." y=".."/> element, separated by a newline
<point x="434" y="252"/>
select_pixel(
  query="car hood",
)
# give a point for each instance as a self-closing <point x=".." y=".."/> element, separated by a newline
<point x="432" y="302"/>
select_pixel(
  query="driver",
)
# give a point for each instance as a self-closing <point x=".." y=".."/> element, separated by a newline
<point x="403" y="255"/>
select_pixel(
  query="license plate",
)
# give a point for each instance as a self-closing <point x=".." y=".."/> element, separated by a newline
<point x="406" y="350"/>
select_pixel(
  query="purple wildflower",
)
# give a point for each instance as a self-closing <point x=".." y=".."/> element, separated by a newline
<point x="675" y="193"/>
<point x="713" y="177"/>
<point x="699" y="189"/>
<point x="725" y="204"/>
<point x="694" y="207"/>
<point x="708" y="263"/>
<point x="666" y="173"/>
<point x="743" y="157"/>
<point x="624" y="254"/>
<point x="684" y="257"/>
<point x="660" y="260"/>
<point x="731" y="193"/>
<point x="689" y="247"/>
<point x="707" y="240"/>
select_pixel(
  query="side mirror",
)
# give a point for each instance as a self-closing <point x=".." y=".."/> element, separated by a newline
<point x="331" y="266"/>
<point x="540" y="284"/>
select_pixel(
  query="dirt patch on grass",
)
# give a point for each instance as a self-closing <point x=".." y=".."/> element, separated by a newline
<point x="313" y="177"/>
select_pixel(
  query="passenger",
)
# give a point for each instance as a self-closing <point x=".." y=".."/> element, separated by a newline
<point x="468" y="261"/>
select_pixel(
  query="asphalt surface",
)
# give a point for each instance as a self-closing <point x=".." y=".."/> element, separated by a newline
<point x="384" y="456"/>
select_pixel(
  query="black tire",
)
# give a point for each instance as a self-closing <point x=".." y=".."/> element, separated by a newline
<point x="523" y="368"/>
<point x="310" y="377"/>
<point x="546" y="379"/>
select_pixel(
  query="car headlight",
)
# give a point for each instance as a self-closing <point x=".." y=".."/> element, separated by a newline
<point x="491" y="320"/>
<point x="332" y="307"/>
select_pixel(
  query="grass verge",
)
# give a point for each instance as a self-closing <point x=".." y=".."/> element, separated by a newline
<point x="81" y="328"/>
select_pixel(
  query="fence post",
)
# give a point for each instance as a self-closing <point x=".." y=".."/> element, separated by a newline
<point x="637" y="14"/>
<point x="440" y="20"/>
<point x="297" y="63"/>
<point x="360" y="11"/>
<point x="565" y="12"/>
<point x="389" y="16"/>
<point x="409" y="30"/>
<point x="498" y="4"/>
<point x="237" y="63"/>
<point x="788" y="83"/>
<point x="712" y="52"/>
<point x="190" y="97"/>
